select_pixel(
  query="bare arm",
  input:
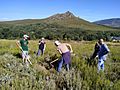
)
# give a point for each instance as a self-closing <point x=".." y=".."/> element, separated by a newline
<point x="18" y="44"/>
<point x="59" y="51"/>
<point x="71" y="50"/>
<point x="39" y="43"/>
<point x="44" y="46"/>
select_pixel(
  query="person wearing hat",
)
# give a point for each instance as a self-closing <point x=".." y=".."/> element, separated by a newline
<point x="42" y="46"/>
<point x="65" y="53"/>
<point x="102" y="54"/>
<point x="23" y="43"/>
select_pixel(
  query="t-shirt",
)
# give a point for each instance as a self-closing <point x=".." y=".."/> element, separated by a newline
<point x="103" y="51"/>
<point x="42" y="45"/>
<point x="24" y="44"/>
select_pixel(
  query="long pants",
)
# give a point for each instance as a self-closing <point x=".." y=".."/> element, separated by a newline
<point x="61" y="62"/>
<point x="40" y="51"/>
<point x="100" y="65"/>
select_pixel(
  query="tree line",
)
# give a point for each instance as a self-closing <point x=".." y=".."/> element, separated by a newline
<point x="53" y="31"/>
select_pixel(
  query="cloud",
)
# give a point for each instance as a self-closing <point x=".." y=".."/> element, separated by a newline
<point x="4" y="19"/>
<point x="9" y="19"/>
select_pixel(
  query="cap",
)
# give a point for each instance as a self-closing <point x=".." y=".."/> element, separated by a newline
<point x="25" y="35"/>
<point x="101" y="40"/>
<point x="43" y="38"/>
<point x="57" y="42"/>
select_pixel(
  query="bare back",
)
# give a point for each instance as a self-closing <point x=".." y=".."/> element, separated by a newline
<point x="63" y="48"/>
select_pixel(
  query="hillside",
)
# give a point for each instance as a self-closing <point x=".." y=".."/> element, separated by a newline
<point x="59" y="26"/>
<point x="114" y="22"/>
<point x="66" y="19"/>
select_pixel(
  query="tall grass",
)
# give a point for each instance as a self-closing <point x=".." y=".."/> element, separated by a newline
<point x="14" y="75"/>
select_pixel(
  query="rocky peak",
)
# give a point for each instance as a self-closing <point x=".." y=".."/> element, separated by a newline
<point x="68" y="14"/>
<point x="65" y="15"/>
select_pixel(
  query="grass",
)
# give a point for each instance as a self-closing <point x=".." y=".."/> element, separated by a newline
<point x="14" y="75"/>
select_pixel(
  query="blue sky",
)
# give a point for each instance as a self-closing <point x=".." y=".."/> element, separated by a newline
<point x="90" y="10"/>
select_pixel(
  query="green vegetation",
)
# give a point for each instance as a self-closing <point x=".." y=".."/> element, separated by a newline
<point x="53" y="31"/>
<point x="14" y="75"/>
<point x="60" y="26"/>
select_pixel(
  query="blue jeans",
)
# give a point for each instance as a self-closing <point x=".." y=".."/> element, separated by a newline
<point x="100" y="65"/>
<point x="40" y="51"/>
<point x="60" y="63"/>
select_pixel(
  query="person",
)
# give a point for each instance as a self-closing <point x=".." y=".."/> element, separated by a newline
<point x="23" y="43"/>
<point x="63" y="49"/>
<point x="102" y="54"/>
<point x="42" y="46"/>
<point x="96" y="50"/>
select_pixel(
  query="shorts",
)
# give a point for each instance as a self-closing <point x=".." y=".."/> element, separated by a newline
<point x="24" y="54"/>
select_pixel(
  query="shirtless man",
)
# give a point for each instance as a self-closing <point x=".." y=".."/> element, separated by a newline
<point x="66" y="54"/>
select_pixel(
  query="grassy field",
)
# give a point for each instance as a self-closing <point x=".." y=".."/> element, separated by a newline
<point x="14" y="75"/>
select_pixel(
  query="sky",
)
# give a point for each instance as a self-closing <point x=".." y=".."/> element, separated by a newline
<point x="90" y="10"/>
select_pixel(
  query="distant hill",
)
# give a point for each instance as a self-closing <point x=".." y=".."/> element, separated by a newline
<point x="67" y="19"/>
<point x="114" y="22"/>
<point x="59" y="26"/>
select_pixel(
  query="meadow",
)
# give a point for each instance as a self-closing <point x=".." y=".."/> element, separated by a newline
<point x="83" y="75"/>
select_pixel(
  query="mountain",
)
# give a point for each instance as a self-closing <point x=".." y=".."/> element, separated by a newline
<point x="59" y="26"/>
<point x="67" y="20"/>
<point x="62" y="16"/>
<point x="114" y="22"/>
